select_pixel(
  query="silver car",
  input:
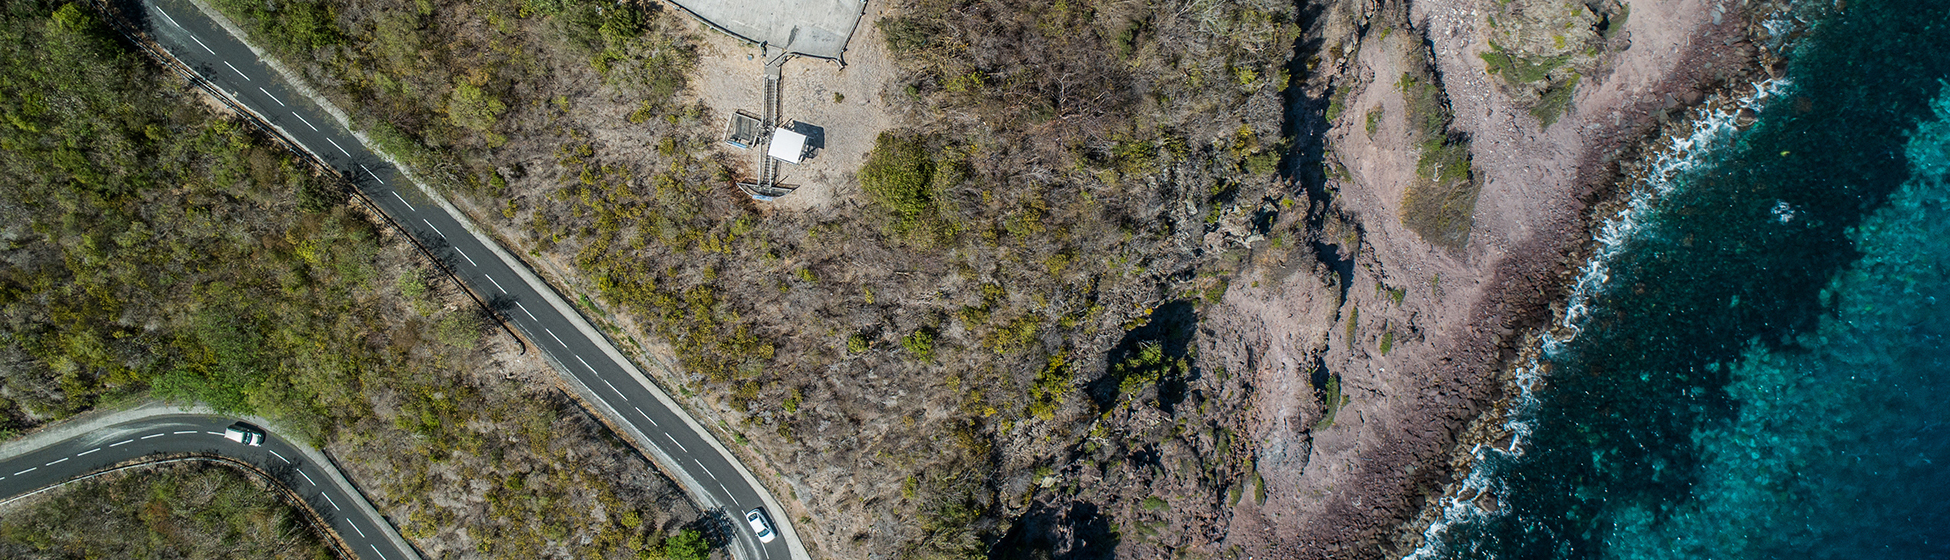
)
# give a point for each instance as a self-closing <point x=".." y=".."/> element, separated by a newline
<point x="761" y="526"/>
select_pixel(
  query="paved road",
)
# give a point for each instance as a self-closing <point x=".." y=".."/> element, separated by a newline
<point x="176" y="434"/>
<point x="620" y="391"/>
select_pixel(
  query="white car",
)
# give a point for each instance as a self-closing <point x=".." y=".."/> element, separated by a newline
<point x="245" y="434"/>
<point x="760" y="525"/>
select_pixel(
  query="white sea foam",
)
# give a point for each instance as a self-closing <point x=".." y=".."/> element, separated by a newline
<point x="1714" y="128"/>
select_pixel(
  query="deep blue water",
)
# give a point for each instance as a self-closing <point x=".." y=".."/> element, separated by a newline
<point x="1763" y="371"/>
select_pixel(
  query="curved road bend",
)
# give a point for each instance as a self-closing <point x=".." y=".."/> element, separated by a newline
<point x="594" y="368"/>
<point x="171" y="433"/>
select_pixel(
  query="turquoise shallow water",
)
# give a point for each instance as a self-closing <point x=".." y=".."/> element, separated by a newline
<point x="1763" y="373"/>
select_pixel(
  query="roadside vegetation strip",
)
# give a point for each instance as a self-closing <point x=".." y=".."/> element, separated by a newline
<point x="206" y="512"/>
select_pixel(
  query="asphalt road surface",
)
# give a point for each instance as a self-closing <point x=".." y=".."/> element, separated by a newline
<point x="227" y="62"/>
<point x="202" y="435"/>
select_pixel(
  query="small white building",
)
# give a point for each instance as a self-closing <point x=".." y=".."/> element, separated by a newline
<point x="787" y="146"/>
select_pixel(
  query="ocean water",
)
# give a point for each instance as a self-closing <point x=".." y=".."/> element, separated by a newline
<point x="1755" y="365"/>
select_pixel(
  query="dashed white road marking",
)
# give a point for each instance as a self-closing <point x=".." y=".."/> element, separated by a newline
<point x="335" y="144"/>
<point x="233" y="68"/>
<point x="301" y="118"/>
<point x="524" y="309"/>
<point x="402" y="199"/>
<point x="199" y="42"/>
<point x="87" y="452"/>
<point x="186" y="432"/>
<point x="551" y="334"/>
<point x="470" y="260"/>
<point x="329" y="500"/>
<point x="280" y="456"/>
<point x="653" y="421"/>
<point x="700" y="464"/>
<point x="120" y="442"/>
<point x="267" y="93"/>
<point x="307" y="478"/>
<point x="375" y="177"/>
<point x="165" y="15"/>
<point x="727" y="491"/>
<point x="585" y="363"/>
<point x="214" y="433"/>
<point x="375" y="550"/>
<point x="436" y="229"/>
<point x="27" y="471"/>
<point x="497" y="285"/>
<point x="680" y="445"/>
<point x="612" y="387"/>
<point x="57" y="461"/>
<point x="355" y="527"/>
<point x="152" y="436"/>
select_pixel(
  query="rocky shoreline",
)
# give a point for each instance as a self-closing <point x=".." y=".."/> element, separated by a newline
<point x="1712" y="73"/>
<point x="1425" y="362"/>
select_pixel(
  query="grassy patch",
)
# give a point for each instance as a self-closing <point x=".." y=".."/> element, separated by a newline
<point x="1555" y="101"/>
<point x="1518" y="69"/>
<point x="1442" y="206"/>
<point x="1332" y="399"/>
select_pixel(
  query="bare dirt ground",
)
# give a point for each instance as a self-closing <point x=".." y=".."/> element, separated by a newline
<point x="847" y="101"/>
<point x="1343" y="490"/>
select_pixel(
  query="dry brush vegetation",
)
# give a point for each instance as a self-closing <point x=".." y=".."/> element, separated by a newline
<point x="181" y="510"/>
<point x="930" y="368"/>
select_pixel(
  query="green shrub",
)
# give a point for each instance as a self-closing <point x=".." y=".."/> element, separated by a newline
<point x="474" y="108"/>
<point x="904" y="180"/>
<point x="920" y="343"/>
<point x="688" y="544"/>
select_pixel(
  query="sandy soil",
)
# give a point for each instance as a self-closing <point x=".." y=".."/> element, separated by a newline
<point x="848" y="101"/>
<point x="1346" y="489"/>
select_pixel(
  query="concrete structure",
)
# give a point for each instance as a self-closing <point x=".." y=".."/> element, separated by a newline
<point x="817" y="28"/>
<point x="743" y="130"/>
<point x="787" y="146"/>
